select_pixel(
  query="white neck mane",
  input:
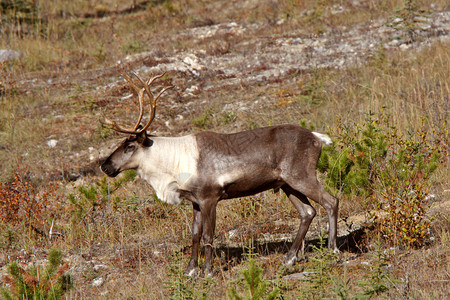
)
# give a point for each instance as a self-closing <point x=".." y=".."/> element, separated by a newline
<point x="168" y="164"/>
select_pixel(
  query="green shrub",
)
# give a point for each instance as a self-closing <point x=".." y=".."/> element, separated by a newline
<point x="390" y="170"/>
<point x="205" y="120"/>
<point x="49" y="282"/>
<point x="181" y="286"/>
<point x="350" y="163"/>
<point x="410" y="20"/>
<point x="132" y="47"/>
<point x="403" y="188"/>
<point x="255" y="285"/>
<point x="378" y="278"/>
<point x="90" y="199"/>
<point x="312" y="90"/>
<point x="227" y="117"/>
<point x="341" y="287"/>
<point x="319" y="278"/>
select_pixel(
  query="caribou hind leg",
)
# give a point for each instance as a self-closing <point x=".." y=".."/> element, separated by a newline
<point x="307" y="213"/>
<point x="311" y="188"/>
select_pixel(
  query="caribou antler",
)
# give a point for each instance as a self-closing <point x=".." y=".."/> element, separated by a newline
<point x="140" y="92"/>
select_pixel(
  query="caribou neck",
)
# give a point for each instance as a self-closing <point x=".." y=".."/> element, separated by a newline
<point x="168" y="165"/>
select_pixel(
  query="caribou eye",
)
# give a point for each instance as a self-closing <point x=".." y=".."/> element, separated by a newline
<point x="130" y="148"/>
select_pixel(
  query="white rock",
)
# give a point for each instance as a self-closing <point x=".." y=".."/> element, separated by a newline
<point x="7" y="55"/>
<point x="98" y="281"/>
<point x="404" y="47"/>
<point x="52" y="143"/>
<point x="299" y="276"/>
<point x="430" y="197"/>
<point x="232" y="233"/>
<point x="394" y="42"/>
<point x="100" y="267"/>
<point x="126" y="97"/>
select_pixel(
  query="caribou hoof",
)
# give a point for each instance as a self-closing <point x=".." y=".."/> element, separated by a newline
<point x="336" y="250"/>
<point x="208" y="273"/>
<point x="191" y="272"/>
<point x="290" y="261"/>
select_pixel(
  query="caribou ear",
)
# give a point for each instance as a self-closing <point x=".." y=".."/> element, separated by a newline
<point x="141" y="136"/>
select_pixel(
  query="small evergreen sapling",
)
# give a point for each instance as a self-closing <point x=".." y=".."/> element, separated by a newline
<point x="49" y="282"/>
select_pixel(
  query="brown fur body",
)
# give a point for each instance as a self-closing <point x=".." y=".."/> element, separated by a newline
<point x="229" y="166"/>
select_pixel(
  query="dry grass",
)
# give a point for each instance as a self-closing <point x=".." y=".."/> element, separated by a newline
<point x="55" y="91"/>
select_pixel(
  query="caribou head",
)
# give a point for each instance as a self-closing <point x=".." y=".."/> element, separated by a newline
<point x="129" y="153"/>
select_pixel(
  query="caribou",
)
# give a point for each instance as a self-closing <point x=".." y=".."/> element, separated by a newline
<point x="207" y="167"/>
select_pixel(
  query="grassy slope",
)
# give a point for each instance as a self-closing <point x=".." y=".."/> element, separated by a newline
<point x="52" y="93"/>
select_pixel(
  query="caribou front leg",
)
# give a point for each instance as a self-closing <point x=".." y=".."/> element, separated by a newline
<point x="197" y="229"/>
<point x="208" y="212"/>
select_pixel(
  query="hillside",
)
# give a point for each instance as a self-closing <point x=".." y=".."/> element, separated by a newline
<point x="374" y="75"/>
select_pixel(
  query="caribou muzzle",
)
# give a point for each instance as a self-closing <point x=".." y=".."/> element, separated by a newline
<point x="109" y="169"/>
